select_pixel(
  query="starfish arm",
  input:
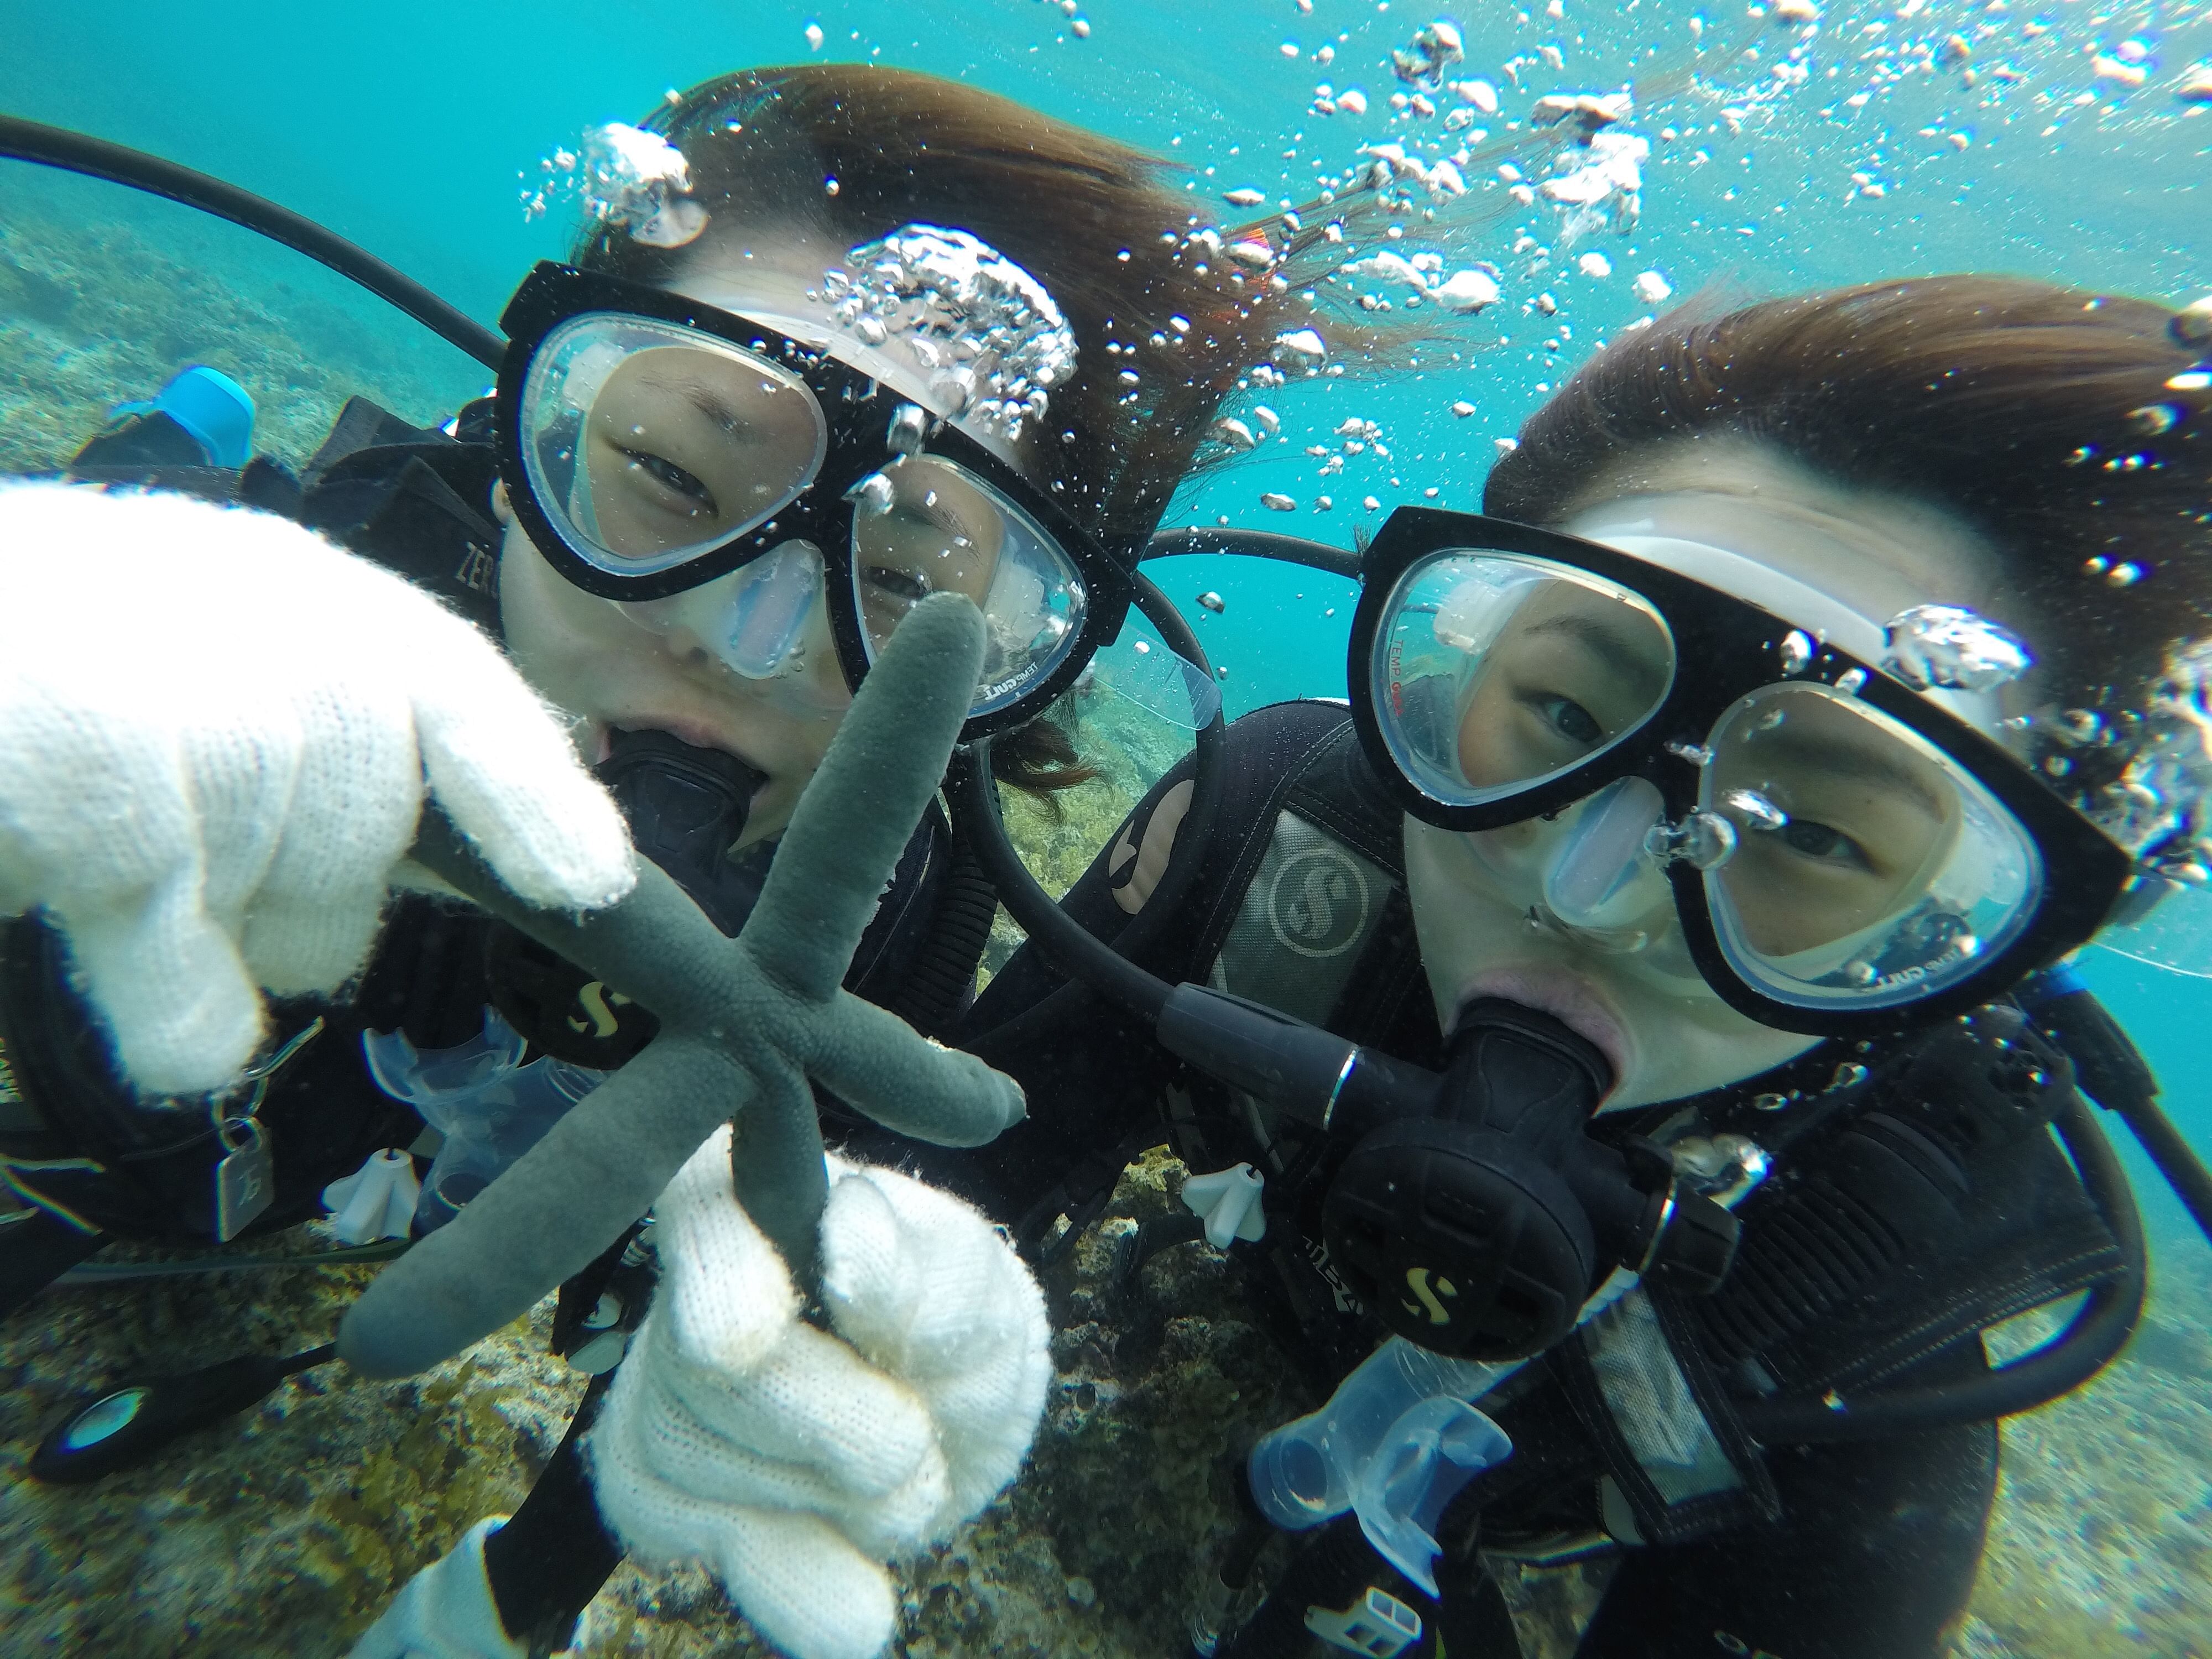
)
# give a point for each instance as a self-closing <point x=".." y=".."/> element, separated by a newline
<point x="876" y="1063"/>
<point x="778" y="1173"/>
<point x="655" y="944"/>
<point x="861" y="807"/>
<point x="557" y="1207"/>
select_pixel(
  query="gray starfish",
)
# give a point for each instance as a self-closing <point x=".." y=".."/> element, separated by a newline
<point x="745" y="1024"/>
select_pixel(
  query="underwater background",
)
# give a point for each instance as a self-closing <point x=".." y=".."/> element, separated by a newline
<point x="2055" y="140"/>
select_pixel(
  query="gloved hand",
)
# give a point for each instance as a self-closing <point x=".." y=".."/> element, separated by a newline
<point x="216" y="730"/>
<point x="445" y="1612"/>
<point x="792" y="1462"/>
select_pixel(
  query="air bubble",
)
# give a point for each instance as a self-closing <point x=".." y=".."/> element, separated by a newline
<point x="874" y="495"/>
<point x="1947" y="645"/>
<point x="909" y="426"/>
<point x="1759" y="813"/>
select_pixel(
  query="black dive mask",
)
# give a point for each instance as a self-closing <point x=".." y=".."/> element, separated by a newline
<point x="686" y="808"/>
<point x="1472" y="1213"/>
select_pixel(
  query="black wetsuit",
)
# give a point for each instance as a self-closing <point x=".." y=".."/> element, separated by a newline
<point x="1859" y="1550"/>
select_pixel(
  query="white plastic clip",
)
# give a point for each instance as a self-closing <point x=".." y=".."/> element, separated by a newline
<point x="1230" y="1202"/>
<point x="376" y="1201"/>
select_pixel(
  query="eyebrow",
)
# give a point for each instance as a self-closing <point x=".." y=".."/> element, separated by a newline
<point x="703" y="398"/>
<point x="1847" y="760"/>
<point x="1599" y="637"/>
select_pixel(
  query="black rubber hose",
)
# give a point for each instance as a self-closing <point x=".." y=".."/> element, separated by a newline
<point x="1254" y="544"/>
<point x="935" y="991"/>
<point x="2114" y="1073"/>
<point x="1063" y="941"/>
<point x="96" y="158"/>
<point x="2098" y="1332"/>
<point x="2176" y="1160"/>
<point x="1087" y="961"/>
<point x="1195" y="834"/>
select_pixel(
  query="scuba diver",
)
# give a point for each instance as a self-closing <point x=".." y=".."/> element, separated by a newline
<point x="1646" y="1006"/>
<point x="746" y="430"/>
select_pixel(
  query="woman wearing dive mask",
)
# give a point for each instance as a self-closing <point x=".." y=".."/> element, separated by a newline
<point x="748" y="428"/>
<point x="1855" y="679"/>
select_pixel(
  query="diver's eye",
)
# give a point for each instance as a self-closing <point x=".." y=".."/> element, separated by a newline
<point x="1822" y="841"/>
<point x="1568" y="717"/>
<point x="899" y="583"/>
<point x="671" y="476"/>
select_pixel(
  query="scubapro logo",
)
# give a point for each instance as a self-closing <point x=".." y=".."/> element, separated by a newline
<point x="599" y="1005"/>
<point x="1429" y="1287"/>
<point x="1318" y="904"/>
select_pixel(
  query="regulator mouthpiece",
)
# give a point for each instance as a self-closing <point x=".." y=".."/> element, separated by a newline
<point x="1480" y="1229"/>
<point x="686" y="808"/>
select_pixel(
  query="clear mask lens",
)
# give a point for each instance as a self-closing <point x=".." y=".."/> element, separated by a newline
<point x="1600" y="877"/>
<point x="925" y="526"/>
<point x="2174" y="932"/>
<point x="647" y="444"/>
<point x="756" y="620"/>
<point x="1496" y="672"/>
<point x="1871" y="869"/>
<point x="1138" y="668"/>
<point x="761" y="630"/>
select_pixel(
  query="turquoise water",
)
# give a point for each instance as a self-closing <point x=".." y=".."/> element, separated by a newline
<point x="409" y="126"/>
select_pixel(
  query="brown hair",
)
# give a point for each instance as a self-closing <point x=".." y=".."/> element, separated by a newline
<point x="1091" y="218"/>
<point x="2066" y="427"/>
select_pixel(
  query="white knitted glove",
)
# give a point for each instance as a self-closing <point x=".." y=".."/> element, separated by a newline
<point x="793" y="1462"/>
<point x="444" y="1612"/>
<point x="216" y="731"/>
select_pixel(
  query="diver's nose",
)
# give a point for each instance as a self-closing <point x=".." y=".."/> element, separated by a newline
<point x="1598" y="877"/>
<point x="761" y="631"/>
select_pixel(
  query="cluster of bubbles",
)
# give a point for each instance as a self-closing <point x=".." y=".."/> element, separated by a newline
<point x="2155" y="800"/>
<point x="1598" y="181"/>
<point x="627" y="178"/>
<point x="984" y="330"/>
<point x="1945" y="646"/>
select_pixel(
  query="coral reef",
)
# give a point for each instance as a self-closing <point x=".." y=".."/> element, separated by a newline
<point x="103" y="295"/>
<point x="277" y="1530"/>
<point x="2098" y="1545"/>
<point x="284" y="1531"/>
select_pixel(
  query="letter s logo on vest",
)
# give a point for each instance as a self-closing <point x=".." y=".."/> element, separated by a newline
<point x="1418" y="1281"/>
<point x="1319" y="902"/>
<point x="595" y="999"/>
